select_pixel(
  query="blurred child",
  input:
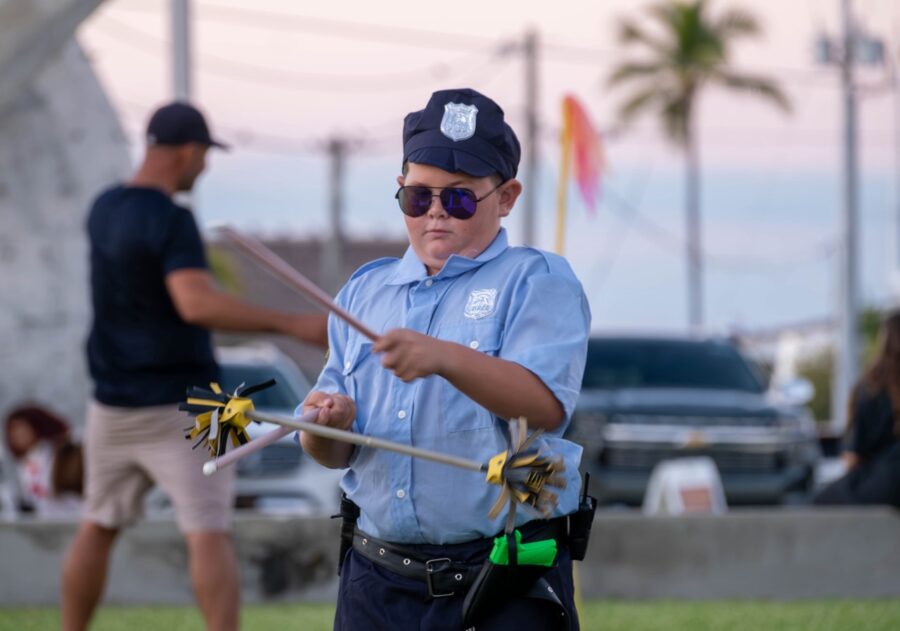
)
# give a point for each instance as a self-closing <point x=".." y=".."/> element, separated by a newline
<point x="48" y="463"/>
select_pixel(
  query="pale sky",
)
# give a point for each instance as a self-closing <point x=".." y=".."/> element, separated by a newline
<point x="278" y="78"/>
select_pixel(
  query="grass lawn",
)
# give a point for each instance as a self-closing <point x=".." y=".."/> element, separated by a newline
<point x="871" y="615"/>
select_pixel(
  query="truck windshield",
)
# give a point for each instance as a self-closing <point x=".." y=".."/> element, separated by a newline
<point x="642" y="363"/>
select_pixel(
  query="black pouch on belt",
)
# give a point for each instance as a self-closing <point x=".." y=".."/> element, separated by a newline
<point x="510" y="572"/>
<point x="349" y="514"/>
<point x="580" y="522"/>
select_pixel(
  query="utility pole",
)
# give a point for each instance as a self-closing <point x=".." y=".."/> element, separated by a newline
<point x="529" y="195"/>
<point x="181" y="71"/>
<point x="895" y="72"/>
<point x="855" y="46"/>
<point x="332" y="254"/>
<point x="693" y="230"/>
<point x="847" y="365"/>
<point x="181" y="50"/>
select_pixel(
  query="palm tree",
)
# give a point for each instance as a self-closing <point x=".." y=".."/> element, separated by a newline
<point x="688" y="51"/>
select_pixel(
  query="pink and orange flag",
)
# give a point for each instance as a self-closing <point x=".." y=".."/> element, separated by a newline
<point x="582" y="142"/>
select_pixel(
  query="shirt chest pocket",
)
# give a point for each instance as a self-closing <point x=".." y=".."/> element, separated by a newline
<point x="360" y="368"/>
<point x="460" y="412"/>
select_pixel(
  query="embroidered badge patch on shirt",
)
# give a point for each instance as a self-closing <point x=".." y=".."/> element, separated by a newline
<point x="458" y="122"/>
<point x="481" y="303"/>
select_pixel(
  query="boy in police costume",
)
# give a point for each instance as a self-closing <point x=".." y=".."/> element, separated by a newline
<point x="475" y="332"/>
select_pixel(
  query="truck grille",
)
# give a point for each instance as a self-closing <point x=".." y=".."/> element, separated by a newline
<point x="697" y="421"/>
<point x="644" y="459"/>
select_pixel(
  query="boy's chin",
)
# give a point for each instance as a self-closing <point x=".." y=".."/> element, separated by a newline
<point x="438" y="255"/>
<point x="433" y="262"/>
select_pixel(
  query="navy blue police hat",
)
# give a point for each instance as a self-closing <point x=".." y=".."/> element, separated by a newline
<point x="462" y="130"/>
<point x="179" y="123"/>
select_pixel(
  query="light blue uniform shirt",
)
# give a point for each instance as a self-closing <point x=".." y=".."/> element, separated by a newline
<point x="520" y="304"/>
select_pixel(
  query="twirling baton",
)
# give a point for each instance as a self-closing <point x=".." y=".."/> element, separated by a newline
<point x="287" y="274"/>
<point x="220" y="462"/>
<point x="523" y="473"/>
<point x="306" y="422"/>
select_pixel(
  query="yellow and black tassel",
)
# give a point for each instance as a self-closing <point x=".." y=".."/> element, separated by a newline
<point x="220" y="417"/>
<point x="525" y="475"/>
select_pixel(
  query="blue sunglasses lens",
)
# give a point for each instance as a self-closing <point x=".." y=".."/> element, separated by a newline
<point x="459" y="202"/>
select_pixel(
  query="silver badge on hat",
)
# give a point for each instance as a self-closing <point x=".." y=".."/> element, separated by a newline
<point x="459" y="121"/>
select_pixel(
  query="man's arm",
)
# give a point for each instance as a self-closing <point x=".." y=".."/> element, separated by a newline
<point x="199" y="302"/>
<point x="507" y="389"/>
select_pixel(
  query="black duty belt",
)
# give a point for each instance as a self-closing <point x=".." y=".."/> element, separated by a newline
<point x="444" y="576"/>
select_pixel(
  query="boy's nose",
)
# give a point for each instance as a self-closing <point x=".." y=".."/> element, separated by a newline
<point x="436" y="209"/>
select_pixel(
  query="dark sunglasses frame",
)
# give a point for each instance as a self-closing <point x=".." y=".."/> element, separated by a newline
<point x="459" y="203"/>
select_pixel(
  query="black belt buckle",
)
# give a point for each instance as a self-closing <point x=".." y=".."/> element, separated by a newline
<point x="432" y="567"/>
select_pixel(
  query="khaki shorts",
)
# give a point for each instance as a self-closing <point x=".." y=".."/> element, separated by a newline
<point x="127" y="450"/>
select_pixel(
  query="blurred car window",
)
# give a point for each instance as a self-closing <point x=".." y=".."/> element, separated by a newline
<point x="284" y="396"/>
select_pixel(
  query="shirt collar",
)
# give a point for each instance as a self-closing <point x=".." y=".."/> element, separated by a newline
<point x="411" y="269"/>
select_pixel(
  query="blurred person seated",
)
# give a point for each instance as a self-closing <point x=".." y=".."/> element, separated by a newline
<point x="48" y="464"/>
<point x="872" y="441"/>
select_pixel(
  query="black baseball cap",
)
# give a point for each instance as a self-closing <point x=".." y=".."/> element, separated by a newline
<point x="462" y="131"/>
<point x="179" y="123"/>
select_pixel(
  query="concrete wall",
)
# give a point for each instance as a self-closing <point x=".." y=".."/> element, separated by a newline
<point x="32" y="33"/>
<point x="742" y="555"/>
<point x="60" y="142"/>
<point x="754" y="554"/>
<point x="280" y="558"/>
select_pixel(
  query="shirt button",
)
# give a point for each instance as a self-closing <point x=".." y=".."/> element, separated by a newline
<point x="473" y="344"/>
<point x="347" y="365"/>
<point x="401" y="414"/>
<point x="401" y="493"/>
<point x="429" y="283"/>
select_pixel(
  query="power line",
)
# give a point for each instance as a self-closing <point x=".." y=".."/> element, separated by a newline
<point x="279" y="144"/>
<point x="735" y="264"/>
<point x="618" y="245"/>
<point x="292" y="79"/>
<point x="425" y="38"/>
<point x="329" y="27"/>
<point x="383" y="33"/>
<point x="245" y="138"/>
<point x="746" y="136"/>
<point x="583" y="55"/>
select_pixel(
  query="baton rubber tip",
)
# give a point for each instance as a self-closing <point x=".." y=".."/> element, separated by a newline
<point x="209" y="467"/>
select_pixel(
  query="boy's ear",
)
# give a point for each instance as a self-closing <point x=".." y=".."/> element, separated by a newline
<point x="400" y="180"/>
<point x="508" y="196"/>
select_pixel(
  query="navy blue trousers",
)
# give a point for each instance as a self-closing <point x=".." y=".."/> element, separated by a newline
<point x="372" y="597"/>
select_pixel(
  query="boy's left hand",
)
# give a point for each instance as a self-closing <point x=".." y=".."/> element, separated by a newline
<point x="408" y="354"/>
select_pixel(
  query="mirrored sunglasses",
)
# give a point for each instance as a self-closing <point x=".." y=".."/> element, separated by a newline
<point x="459" y="203"/>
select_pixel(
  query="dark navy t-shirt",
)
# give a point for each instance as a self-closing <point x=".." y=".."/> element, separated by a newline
<point x="140" y="351"/>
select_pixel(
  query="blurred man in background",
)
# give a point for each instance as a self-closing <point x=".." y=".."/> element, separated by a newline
<point x="154" y="303"/>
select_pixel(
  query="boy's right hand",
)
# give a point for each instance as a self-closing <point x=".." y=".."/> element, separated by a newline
<point x="335" y="410"/>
